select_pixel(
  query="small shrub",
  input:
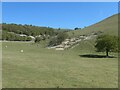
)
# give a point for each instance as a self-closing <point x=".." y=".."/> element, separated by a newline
<point x="37" y="39"/>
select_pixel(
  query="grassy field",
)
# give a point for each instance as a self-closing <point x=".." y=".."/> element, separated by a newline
<point x="0" y="65"/>
<point x="38" y="67"/>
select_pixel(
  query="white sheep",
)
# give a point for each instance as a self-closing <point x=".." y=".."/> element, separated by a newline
<point x="21" y="50"/>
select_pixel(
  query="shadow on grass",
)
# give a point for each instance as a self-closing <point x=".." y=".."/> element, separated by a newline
<point x="96" y="56"/>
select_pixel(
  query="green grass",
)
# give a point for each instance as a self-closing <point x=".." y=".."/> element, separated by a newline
<point x="38" y="67"/>
<point x="0" y="65"/>
<point x="107" y="26"/>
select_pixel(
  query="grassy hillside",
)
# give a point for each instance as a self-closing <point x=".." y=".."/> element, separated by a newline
<point x="107" y="26"/>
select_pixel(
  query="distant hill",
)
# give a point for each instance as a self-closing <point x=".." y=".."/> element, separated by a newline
<point x="16" y="32"/>
<point x="30" y="29"/>
<point x="107" y="26"/>
<point x="27" y="29"/>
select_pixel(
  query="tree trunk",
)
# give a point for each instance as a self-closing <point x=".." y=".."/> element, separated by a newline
<point x="107" y="53"/>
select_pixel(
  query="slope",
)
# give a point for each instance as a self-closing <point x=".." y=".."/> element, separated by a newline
<point x="107" y="26"/>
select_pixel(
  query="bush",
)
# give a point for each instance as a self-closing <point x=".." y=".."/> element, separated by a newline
<point x="37" y="39"/>
<point x="58" y="40"/>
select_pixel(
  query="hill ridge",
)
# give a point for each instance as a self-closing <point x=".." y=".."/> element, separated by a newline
<point x="107" y="26"/>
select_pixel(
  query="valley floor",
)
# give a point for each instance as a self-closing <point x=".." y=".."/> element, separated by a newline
<point x="38" y="67"/>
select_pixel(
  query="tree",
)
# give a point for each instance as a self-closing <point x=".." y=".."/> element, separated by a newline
<point x="76" y="28"/>
<point x="106" y="43"/>
<point x="59" y="28"/>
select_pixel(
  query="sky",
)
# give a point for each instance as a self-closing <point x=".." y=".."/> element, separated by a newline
<point x="57" y="14"/>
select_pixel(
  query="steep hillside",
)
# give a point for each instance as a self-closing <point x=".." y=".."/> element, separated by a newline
<point x="107" y="26"/>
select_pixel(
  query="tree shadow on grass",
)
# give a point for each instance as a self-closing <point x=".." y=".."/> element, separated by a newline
<point x="96" y="56"/>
